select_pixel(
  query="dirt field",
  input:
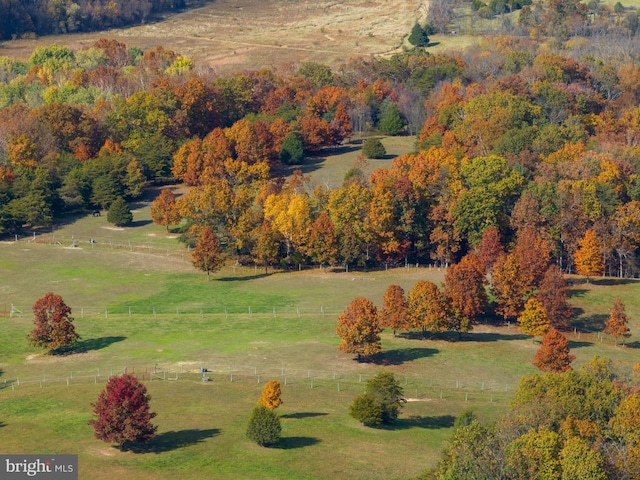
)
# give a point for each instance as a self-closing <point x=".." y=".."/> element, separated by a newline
<point x="250" y="34"/>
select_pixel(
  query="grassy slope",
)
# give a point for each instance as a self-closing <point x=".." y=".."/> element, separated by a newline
<point x="201" y="425"/>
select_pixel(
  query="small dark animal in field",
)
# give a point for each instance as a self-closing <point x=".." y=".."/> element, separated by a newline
<point x="96" y="213"/>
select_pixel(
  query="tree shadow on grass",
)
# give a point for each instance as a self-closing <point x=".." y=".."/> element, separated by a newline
<point x="288" y="443"/>
<point x="613" y="281"/>
<point x="399" y="356"/>
<point x="88" y="345"/>
<point x="483" y="337"/>
<point x="304" y="415"/>
<point x="416" y="421"/>
<point x="243" y="278"/>
<point x="168" y="441"/>
<point x="138" y="223"/>
<point x="635" y="344"/>
<point x="579" y="344"/>
<point x="590" y="323"/>
<point x="577" y="292"/>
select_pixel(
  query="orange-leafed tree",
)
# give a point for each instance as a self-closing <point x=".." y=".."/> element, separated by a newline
<point x="163" y="209"/>
<point x="394" y="309"/>
<point x="616" y="324"/>
<point x="553" y="354"/>
<point x="207" y="254"/>
<point x="266" y="250"/>
<point x="123" y="413"/>
<point x="509" y="287"/>
<point x="588" y="257"/>
<point x="533" y="255"/>
<point x="534" y="320"/>
<point x="428" y="308"/>
<point x="322" y="245"/>
<point x="271" y="393"/>
<point x="553" y="294"/>
<point x="464" y="287"/>
<point x="359" y="328"/>
<point x="53" y="323"/>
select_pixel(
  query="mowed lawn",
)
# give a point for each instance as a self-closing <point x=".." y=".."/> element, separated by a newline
<point x="139" y="311"/>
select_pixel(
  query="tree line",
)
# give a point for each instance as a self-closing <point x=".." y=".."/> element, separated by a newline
<point x="21" y="18"/>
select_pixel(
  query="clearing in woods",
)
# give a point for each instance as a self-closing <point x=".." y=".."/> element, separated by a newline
<point x="232" y="35"/>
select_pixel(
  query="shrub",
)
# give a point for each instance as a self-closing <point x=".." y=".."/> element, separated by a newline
<point x="381" y="401"/>
<point x="119" y="213"/>
<point x="292" y="151"/>
<point x="264" y="426"/>
<point x="366" y="409"/>
<point x="373" y="148"/>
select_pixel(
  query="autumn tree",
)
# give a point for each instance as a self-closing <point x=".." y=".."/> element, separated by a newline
<point x="553" y="294"/>
<point x="616" y="324"/>
<point x="163" y="209"/>
<point x="322" y="245"/>
<point x="53" y="323"/>
<point x="588" y="257"/>
<point x="264" y="426"/>
<point x="427" y="307"/>
<point x="553" y="354"/>
<point x="123" y="413"/>
<point x="509" y="288"/>
<point x="207" y="254"/>
<point x="534" y="320"/>
<point x="266" y="250"/>
<point x="394" y="309"/>
<point x="490" y="248"/>
<point x="270" y="397"/>
<point x="533" y="255"/>
<point x="464" y="287"/>
<point x="359" y="328"/>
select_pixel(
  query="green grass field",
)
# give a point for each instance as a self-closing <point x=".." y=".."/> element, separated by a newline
<point x="140" y="307"/>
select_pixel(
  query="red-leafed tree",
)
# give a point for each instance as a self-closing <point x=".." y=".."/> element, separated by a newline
<point x="207" y="255"/>
<point x="464" y="287"/>
<point x="490" y="248"/>
<point x="553" y="355"/>
<point x="123" y="412"/>
<point x="394" y="309"/>
<point x="163" y="209"/>
<point x="53" y="323"/>
<point x="553" y="294"/>
<point x="616" y="324"/>
<point x="359" y="328"/>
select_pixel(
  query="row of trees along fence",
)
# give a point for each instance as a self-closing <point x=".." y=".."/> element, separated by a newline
<point x="443" y="388"/>
<point x="179" y="250"/>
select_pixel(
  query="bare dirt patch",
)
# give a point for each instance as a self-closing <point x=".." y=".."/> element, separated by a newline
<point x="232" y="35"/>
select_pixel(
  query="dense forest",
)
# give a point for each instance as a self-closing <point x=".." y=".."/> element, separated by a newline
<point x="24" y="18"/>
<point x="514" y="133"/>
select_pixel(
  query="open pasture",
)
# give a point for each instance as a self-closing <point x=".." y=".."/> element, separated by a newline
<point x="147" y="312"/>
<point x="231" y="35"/>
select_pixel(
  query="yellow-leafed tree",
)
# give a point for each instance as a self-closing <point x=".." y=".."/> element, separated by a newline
<point x="534" y="320"/>
<point x="270" y="397"/>
<point x="588" y="257"/>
